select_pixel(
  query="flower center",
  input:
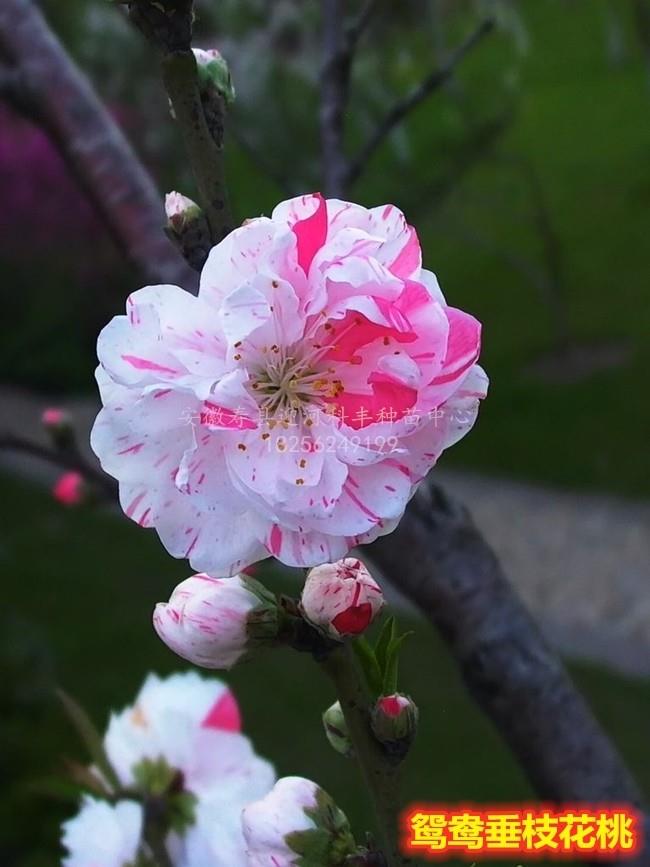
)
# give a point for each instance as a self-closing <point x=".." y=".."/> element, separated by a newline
<point x="290" y="382"/>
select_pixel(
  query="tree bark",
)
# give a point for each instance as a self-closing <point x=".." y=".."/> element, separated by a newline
<point x="63" y="102"/>
<point x="455" y="579"/>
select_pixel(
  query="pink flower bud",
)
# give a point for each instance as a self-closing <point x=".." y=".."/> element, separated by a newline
<point x="54" y="417"/>
<point x="180" y="211"/>
<point x="394" y="721"/>
<point x="70" y="489"/>
<point x="215" y="622"/>
<point x="341" y="598"/>
<point x="296" y="823"/>
<point x="58" y="424"/>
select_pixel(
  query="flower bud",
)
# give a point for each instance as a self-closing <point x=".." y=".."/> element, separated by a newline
<point x="181" y="211"/>
<point x="215" y="622"/>
<point x="58" y="424"/>
<point x="54" y="417"/>
<point x="213" y="71"/>
<point x="394" y="722"/>
<point x="342" y="599"/>
<point x="70" y="489"/>
<point x="336" y="730"/>
<point x="296" y="823"/>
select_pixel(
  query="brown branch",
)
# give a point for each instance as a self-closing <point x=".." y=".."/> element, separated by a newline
<point x="335" y="79"/>
<point x="66" y="458"/>
<point x="454" y="577"/>
<point x="167" y="26"/>
<point x="13" y="89"/>
<point x="401" y="109"/>
<point x="204" y="151"/>
<point x="92" y="145"/>
<point x="358" y="27"/>
<point x="339" y="48"/>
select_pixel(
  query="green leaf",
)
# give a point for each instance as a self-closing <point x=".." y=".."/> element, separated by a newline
<point x="386" y="635"/>
<point x="368" y="662"/>
<point x="90" y="737"/>
<point x="389" y="685"/>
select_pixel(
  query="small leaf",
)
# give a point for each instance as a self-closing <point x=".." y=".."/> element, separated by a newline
<point x="90" y="737"/>
<point x="389" y="685"/>
<point x="385" y="637"/>
<point x="368" y="661"/>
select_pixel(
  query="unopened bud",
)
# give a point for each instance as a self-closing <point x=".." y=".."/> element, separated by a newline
<point x="336" y="730"/>
<point x="58" y="424"/>
<point x="297" y="823"/>
<point x="216" y="622"/>
<point x="394" y="722"/>
<point x="188" y="228"/>
<point x="70" y="489"/>
<point x="341" y="599"/>
<point x="181" y="211"/>
<point x="214" y="72"/>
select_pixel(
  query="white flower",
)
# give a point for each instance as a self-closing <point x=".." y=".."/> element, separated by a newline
<point x="341" y="598"/>
<point x="214" y="622"/>
<point x="293" y="408"/>
<point x="103" y="835"/>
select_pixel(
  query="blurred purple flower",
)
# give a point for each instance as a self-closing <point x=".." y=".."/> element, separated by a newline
<point x="42" y="205"/>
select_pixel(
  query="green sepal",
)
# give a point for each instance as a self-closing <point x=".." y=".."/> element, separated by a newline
<point x="154" y="776"/>
<point x="216" y="73"/>
<point x="330" y="843"/>
<point x="156" y="780"/>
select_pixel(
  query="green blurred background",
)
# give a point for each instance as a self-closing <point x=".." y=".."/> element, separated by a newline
<point x="528" y="178"/>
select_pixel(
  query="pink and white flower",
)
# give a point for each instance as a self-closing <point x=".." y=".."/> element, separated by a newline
<point x="215" y="622"/>
<point x="195" y="726"/>
<point x="103" y="835"/>
<point x="295" y="817"/>
<point x="293" y="408"/>
<point x="342" y="599"/>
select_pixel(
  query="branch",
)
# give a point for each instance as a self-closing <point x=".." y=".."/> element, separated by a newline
<point x="68" y="459"/>
<point x="205" y="155"/>
<point x="402" y="108"/>
<point x="14" y="90"/>
<point x="335" y="80"/>
<point x="357" y="28"/>
<point x="167" y="25"/>
<point x="339" y="47"/>
<point x="91" y="144"/>
<point x="456" y="580"/>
